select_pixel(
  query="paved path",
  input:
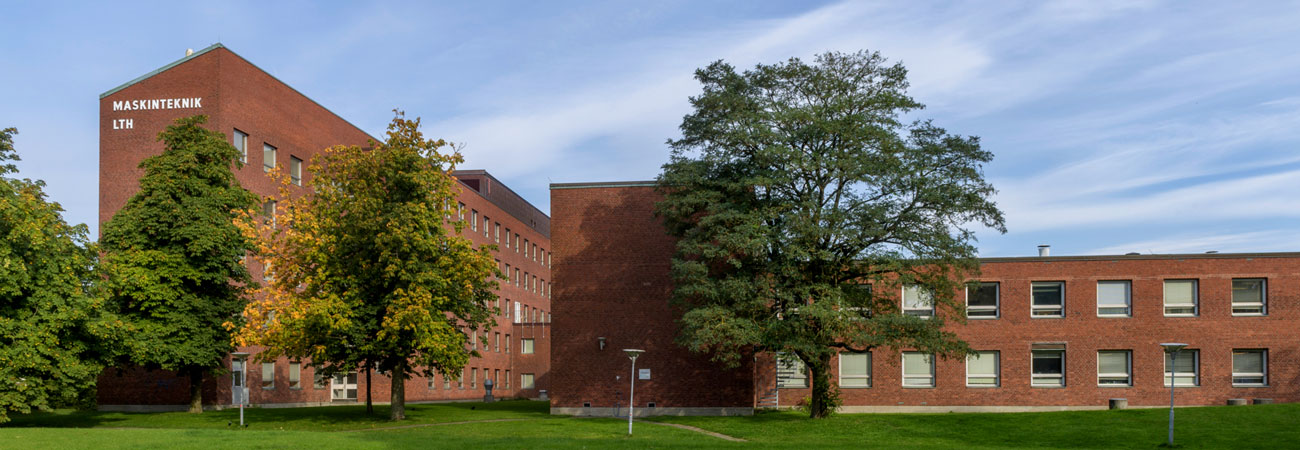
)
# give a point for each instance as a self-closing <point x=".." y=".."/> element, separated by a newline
<point x="697" y="430"/>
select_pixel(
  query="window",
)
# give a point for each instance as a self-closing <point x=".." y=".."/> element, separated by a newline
<point x="268" y="211"/>
<point x="507" y="243"/>
<point x="496" y="232"/>
<point x="507" y="379"/>
<point x="487" y="230"/>
<point x="473" y="378"/>
<point x="507" y="343"/>
<point x="496" y="377"/>
<point x="918" y="369"/>
<point x="1180" y="297"/>
<point x="1249" y="297"/>
<point x="268" y="157"/>
<point x="507" y="308"/>
<point x="460" y="380"/>
<point x="473" y="222"/>
<point x="519" y="317"/>
<point x="855" y="370"/>
<point x="240" y="139"/>
<point x="446" y="381"/>
<point x="1049" y="299"/>
<point x="516" y="242"/>
<point x="1048" y="366"/>
<point x="982" y="369"/>
<point x="1185" y="368"/>
<point x="496" y="344"/>
<point x="1249" y="367"/>
<point x="295" y="170"/>
<point x="295" y="375"/>
<point x="268" y="375"/>
<point x="982" y="301"/>
<point x="433" y="383"/>
<point x="1114" y="368"/>
<point x="516" y="276"/>
<point x="319" y="380"/>
<point x="460" y="211"/>
<point x="790" y="372"/>
<point x="525" y="381"/>
<point x="917" y="301"/>
<point x="1114" y="298"/>
<point x="526" y="346"/>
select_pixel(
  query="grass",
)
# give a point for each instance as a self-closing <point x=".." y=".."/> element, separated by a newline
<point x="1257" y="426"/>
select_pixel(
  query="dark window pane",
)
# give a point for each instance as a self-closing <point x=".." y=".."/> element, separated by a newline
<point x="984" y="295"/>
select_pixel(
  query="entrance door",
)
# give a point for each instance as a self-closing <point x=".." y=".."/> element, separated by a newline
<point x="344" y="387"/>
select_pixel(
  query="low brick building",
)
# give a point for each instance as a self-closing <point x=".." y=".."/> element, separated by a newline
<point x="1052" y="332"/>
<point x="276" y="126"/>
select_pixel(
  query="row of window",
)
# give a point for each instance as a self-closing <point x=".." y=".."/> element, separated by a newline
<point x="525" y="344"/>
<point x="1114" y="299"/>
<point x="530" y="250"/>
<point x="522" y="313"/>
<point x="527" y="281"/>
<point x="983" y="369"/>
<point x="269" y="152"/>
<point x="321" y="382"/>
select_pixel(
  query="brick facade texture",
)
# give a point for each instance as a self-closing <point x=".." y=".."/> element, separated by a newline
<point x="238" y="95"/>
<point x="612" y="273"/>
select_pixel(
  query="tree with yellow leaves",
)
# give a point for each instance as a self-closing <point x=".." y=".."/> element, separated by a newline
<point x="369" y="270"/>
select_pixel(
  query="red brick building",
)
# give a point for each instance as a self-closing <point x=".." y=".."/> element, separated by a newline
<point x="1053" y="332"/>
<point x="275" y="125"/>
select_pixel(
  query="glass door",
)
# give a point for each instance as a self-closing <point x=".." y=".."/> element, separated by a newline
<point x="344" y="387"/>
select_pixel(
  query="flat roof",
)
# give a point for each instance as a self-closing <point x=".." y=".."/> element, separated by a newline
<point x="604" y="184"/>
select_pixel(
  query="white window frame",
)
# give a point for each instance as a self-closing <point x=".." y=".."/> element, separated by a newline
<point x="997" y="369"/>
<point x="526" y="381"/>
<point x="1263" y="376"/>
<point x="1041" y="380"/>
<point x="295" y="170"/>
<point x="1127" y="375"/>
<point x="526" y="346"/>
<point x="1195" y="374"/>
<point x="295" y="375"/>
<point x="1127" y="306"/>
<point x="923" y="294"/>
<point x="1034" y="309"/>
<point x="1262" y="303"/>
<point x="1196" y="298"/>
<point x="268" y="382"/>
<point x="797" y="381"/>
<point x="866" y="378"/>
<point x="240" y="143"/>
<point x="997" y="302"/>
<point x="473" y="220"/>
<point x="274" y="152"/>
<point x="905" y="377"/>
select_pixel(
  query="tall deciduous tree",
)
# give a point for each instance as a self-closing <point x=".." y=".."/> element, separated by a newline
<point x="174" y="258"/>
<point x="54" y="335"/>
<point x="369" y="270"/>
<point x="796" y="186"/>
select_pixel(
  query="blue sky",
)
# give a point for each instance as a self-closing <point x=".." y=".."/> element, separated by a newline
<point x="1117" y="126"/>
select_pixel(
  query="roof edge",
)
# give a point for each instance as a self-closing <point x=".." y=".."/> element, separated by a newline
<point x="160" y="70"/>
<point x="605" y="184"/>
<point x="1139" y="257"/>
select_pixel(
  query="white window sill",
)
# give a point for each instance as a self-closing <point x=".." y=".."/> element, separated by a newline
<point x="1186" y="386"/>
<point x="1249" y="315"/>
<point x="983" y="317"/>
<point x="918" y="387"/>
<point x="1047" y="387"/>
<point x="1047" y="317"/>
<point x="1115" y="316"/>
<point x="1249" y="386"/>
<point x="984" y="386"/>
<point x="855" y="387"/>
<point x="1182" y="315"/>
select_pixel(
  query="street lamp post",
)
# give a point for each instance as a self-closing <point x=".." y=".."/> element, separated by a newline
<point x="632" y="353"/>
<point x="1172" y="348"/>
<point x="239" y="380"/>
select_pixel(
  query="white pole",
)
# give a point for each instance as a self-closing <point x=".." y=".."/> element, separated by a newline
<point x="243" y="394"/>
<point x="1173" y="381"/>
<point x="631" y="400"/>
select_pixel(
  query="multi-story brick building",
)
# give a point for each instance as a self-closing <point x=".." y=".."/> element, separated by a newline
<point x="1052" y="332"/>
<point x="275" y="125"/>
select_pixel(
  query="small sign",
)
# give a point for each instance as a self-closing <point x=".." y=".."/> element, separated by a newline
<point x="643" y="374"/>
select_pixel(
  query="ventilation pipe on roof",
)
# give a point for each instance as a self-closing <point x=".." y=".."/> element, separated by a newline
<point x="1044" y="250"/>
<point x="189" y="51"/>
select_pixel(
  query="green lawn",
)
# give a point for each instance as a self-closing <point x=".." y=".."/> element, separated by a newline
<point x="526" y="425"/>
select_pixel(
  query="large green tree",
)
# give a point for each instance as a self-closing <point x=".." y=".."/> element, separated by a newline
<point x="54" y="334"/>
<point x="174" y="258"/>
<point x="803" y="202"/>
<point x="370" y="270"/>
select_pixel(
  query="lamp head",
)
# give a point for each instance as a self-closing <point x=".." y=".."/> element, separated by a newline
<point x="1173" y="347"/>
<point x="633" y="353"/>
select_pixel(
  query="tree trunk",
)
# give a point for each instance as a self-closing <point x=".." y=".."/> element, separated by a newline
<point x="397" y="408"/>
<point x="370" y="406"/>
<point x="196" y="391"/>
<point x="820" y="404"/>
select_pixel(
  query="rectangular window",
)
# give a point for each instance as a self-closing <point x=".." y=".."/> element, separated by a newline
<point x="917" y="301"/>
<point x="507" y="343"/>
<point x="433" y="383"/>
<point x="1249" y="297"/>
<point x="268" y="375"/>
<point x="460" y="211"/>
<point x="268" y="157"/>
<point x="1048" y="366"/>
<point x="1249" y="367"/>
<point x="473" y="222"/>
<point x="1114" y="298"/>
<point x="496" y="232"/>
<point x="507" y="243"/>
<point x="268" y="211"/>
<point x="507" y="379"/>
<point x="525" y="381"/>
<point x="295" y="171"/>
<point x="1186" y="369"/>
<point x="1180" y="297"/>
<point x="516" y="276"/>
<point x="446" y="382"/>
<point x="295" y="375"/>
<point x="240" y="141"/>
<point x="790" y="372"/>
<point x="496" y="377"/>
<point x="496" y="342"/>
<point x="460" y="380"/>
<point x="1114" y="368"/>
<point x="516" y="242"/>
<point x="473" y="378"/>
<point x="527" y="249"/>
<point x="519" y="316"/>
<point x="855" y="370"/>
<point x="918" y="369"/>
<point x="526" y="346"/>
<point x="983" y="369"/>
<point x="1049" y="299"/>
<point x="319" y="380"/>
<point x="982" y="301"/>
